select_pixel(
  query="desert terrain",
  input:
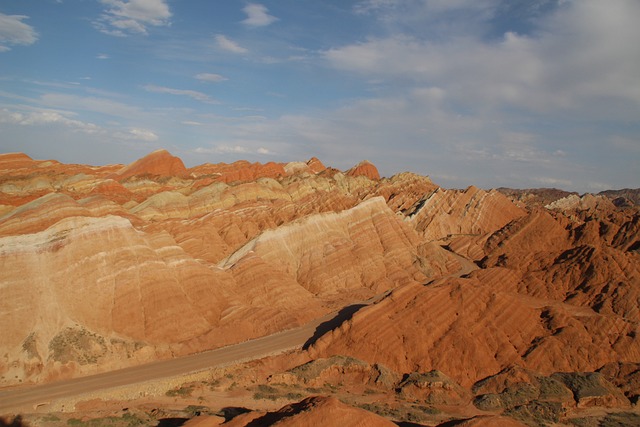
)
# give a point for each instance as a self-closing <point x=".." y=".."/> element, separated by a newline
<point x="291" y="294"/>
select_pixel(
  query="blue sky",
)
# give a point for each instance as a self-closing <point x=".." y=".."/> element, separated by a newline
<point x="519" y="93"/>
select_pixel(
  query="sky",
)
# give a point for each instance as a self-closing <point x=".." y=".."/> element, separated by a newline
<point x="492" y="93"/>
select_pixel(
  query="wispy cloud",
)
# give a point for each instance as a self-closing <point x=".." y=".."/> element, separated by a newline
<point x="229" y="45"/>
<point x="46" y="117"/>
<point x="136" y="134"/>
<point x="122" y="17"/>
<point x="257" y="15"/>
<point x="102" y="56"/>
<point x="233" y="149"/>
<point x="210" y="77"/>
<point x="89" y="103"/>
<point x="198" y="96"/>
<point x="15" y="32"/>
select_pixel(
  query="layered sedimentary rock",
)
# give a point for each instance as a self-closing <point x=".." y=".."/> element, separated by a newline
<point x="158" y="163"/>
<point x="474" y="212"/>
<point x="557" y="291"/>
<point x="470" y="330"/>
<point x="241" y="171"/>
<point x="364" y="168"/>
<point x="453" y="296"/>
<point x="158" y="272"/>
<point x="368" y="245"/>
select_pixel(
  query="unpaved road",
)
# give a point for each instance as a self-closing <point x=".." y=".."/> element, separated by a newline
<point x="19" y="397"/>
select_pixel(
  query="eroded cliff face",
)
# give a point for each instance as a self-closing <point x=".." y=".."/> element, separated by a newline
<point x="163" y="266"/>
<point x="107" y="267"/>
<point x="557" y="291"/>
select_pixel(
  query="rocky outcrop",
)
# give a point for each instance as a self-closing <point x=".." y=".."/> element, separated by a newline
<point x="368" y="245"/>
<point x="316" y="165"/>
<point x="434" y="291"/>
<point x="156" y="288"/>
<point x="472" y="212"/>
<point x="469" y="329"/>
<point x="366" y="169"/>
<point x="240" y="171"/>
<point x="157" y="163"/>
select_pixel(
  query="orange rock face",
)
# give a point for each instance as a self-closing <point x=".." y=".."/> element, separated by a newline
<point x="181" y="269"/>
<point x="158" y="163"/>
<point x="239" y="171"/>
<point x="477" y="300"/>
<point x="366" y="169"/>
<point x="316" y="165"/>
<point x="556" y="293"/>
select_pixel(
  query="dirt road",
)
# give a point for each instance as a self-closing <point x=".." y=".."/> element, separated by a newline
<point x="19" y="397"/>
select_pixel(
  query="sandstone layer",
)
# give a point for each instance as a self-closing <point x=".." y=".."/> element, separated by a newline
<point x="512" y="306"/>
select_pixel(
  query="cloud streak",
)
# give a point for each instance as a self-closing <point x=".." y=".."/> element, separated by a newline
<point x="15" y="32"/>
<point x="198" y="96"/>
<point x="229" y="45"/>
<point x="257" y="15"/>
<point x="210" y="77"/>
<point x="46" y="117"/>
<point x="122" y="17"/>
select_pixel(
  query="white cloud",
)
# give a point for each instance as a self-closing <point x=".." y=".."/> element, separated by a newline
<point x="233" y="149"/>
<point x="198" y="96"/>
<point x="257" y="15"/>
<point x="229" y="45"/>
<point x="102" y="56"/>
<point x="90" y="103"/>
<point x="124" y="17"/>
<point x="581" y="56"/>
<point x="137" y="134"/>
<point x="210" y="77"/>
<point x="46" y="117"/>
<point x="15" y="32"/>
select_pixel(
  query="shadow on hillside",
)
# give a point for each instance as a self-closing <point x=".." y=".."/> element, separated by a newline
<point x="453" y="423"/>
<point x="171" y="422"/>
<point x="230" y="412"/>
<point x="342" y="316"/>
<point x="16" y="422"/>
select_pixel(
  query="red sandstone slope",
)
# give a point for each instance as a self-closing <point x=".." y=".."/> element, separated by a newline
<point x="557" y="292"/>
<point x="364" y="168"/>
<point x="187" y="260"/>
<point x="157" y="163"/>
<point x="154" y="280"/>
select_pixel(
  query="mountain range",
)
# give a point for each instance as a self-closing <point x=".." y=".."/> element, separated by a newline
<point x="449" y="306"/>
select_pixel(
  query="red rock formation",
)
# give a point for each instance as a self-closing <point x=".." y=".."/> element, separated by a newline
<point x="176" y="261"/>
<point x="241" y="171"/>
<point x="15" y="161"/>
<point x="469" y="329"/>
<point x="364" y="168"/>
<point x="370" y="247"/>
<point x="316" y="165"/>
<point x="157" y="163"/>
<point x="446" y="213"/>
